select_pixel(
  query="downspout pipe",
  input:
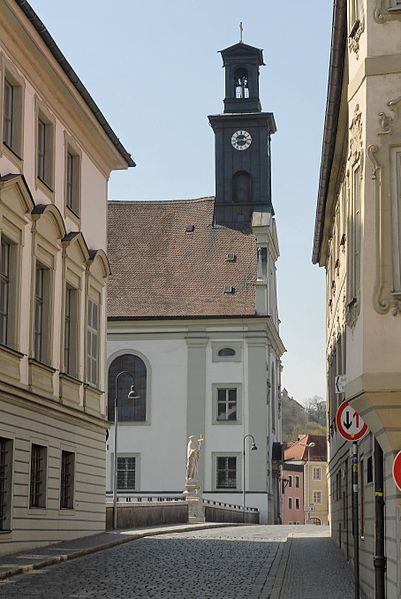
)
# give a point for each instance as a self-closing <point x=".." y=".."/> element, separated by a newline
<point x="379" y="559"/>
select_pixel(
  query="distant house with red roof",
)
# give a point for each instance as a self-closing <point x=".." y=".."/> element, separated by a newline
<point x="305" y="489"/>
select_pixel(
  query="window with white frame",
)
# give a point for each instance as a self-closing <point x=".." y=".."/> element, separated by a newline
<point x="227" y="474"/>
<point x="126" y="473"/>
<point x="6" y="464"/>
<point x="290" y="503"/>
<point x="354" y="15"/>
<point x="317" y="497"/>
<point x="7" y="292"/>
<point x="317" y="473"/>
<point x="71" y="331"/>
<point x="67" y="480"/>
<point x="45" y="149"/>
<point x="227" y="408"/>
<point x="355" y="238"/>
<point x="12" y="114"/>
<point x="297" y="503"/>
<point x="37" y="491"/>
<point x="92" y="342"/>
<point x="297" y="482"/>
<point x="290" y="480"/>
<point x="42" y="316"/>
<point x="72" y="184"/>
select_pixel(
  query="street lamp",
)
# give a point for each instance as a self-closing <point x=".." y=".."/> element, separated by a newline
<point x="131" y="395"/>
<point x="308" y="446"/>
<point x="253" y="448"/>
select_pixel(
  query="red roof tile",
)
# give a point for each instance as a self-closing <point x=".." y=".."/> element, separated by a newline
<point x="297" y="451"/>
<point x="161" y="270"/>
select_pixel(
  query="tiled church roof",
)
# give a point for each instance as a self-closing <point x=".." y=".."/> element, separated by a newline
<point x="160" y="268"/>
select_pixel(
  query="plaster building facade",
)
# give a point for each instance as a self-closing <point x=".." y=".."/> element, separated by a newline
<point x="305" y="481"/>
<point x="358" y="242"/>
<point x="56" y="154"/>
<point x="197" y="328"/>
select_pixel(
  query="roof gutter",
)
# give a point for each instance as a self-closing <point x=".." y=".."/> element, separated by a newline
<point x="73" y="77"/>
<point x="336" y="71"/>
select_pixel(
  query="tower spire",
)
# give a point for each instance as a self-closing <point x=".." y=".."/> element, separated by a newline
<point x="241" y="33"/>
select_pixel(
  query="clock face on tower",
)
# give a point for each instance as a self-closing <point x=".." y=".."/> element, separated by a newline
<point x="241" y="140"/>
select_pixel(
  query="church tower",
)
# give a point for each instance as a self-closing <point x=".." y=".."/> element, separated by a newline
<point x="242" y="142"/>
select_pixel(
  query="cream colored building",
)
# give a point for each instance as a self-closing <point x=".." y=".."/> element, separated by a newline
<point x="56" y="154"/>
<point x="358" y="242"/>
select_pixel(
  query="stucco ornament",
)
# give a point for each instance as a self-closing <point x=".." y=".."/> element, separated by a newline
<point x="387" y="294"/>
<point x="355" y="139"/>
<point x="385" y="11"/>
<point x="385" y="123"/>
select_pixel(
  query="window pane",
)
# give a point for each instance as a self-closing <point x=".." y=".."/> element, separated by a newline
<point x="67" y="480"/>
<point x="126" y="473"/>
<point x="5" y="483"/>
<point x="8" y="113"/>
<point x="226" y="473"/>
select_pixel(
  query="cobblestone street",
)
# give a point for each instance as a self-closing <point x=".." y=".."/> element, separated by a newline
<point x="242" y="562"/>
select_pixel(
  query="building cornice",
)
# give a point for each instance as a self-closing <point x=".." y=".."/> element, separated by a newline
<point x="62" y="76"/>
<point x="334" y="92"/>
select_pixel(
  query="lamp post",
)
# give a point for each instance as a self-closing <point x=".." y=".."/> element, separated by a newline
<point x="308" y="446"/>
<point x="131" y="395"/>
<point x="253" y="448"/>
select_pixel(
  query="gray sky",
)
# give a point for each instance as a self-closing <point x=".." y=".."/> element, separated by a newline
<point x="153" y="69"/>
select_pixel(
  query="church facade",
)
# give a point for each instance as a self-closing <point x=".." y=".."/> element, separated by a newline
<point x="195" y="327"/>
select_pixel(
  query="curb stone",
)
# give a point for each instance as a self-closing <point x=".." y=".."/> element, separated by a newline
<point x="63" y="557"/>
<point x="281" y="570"/>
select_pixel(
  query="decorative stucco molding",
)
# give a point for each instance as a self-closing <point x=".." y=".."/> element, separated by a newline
<point x="380" y="303"/>
<point x="372" y="150"/>
<point x="355" y="140"/>
<point x="385" y="12"/>
<point x="352" y="312"/>
<point x="385" y="123"/>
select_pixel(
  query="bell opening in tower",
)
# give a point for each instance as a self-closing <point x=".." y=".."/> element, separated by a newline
<point x="242" y="188"/>
<point x="241" y="83"/>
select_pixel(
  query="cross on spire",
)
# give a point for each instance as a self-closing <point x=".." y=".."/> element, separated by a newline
<point x="241" y="33"/>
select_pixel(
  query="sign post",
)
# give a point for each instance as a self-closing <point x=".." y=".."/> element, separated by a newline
<point x="355" y="515"/>
<point x="352" y="428"/>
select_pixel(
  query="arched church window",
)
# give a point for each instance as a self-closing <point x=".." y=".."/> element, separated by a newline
<point x="129" y="410"/>
<point x="242" y="187"/>
<point x="226" y="352"/>
<point x="241" y="83"/>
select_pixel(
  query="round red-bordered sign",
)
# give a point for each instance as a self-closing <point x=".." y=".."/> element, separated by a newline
<point x="349" y="424"/>
<point x="397" y="470"/>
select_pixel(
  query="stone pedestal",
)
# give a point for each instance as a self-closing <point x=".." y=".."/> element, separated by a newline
<point x="193" y="497"/>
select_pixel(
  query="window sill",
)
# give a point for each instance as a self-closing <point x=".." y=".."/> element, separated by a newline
<point x="45" y="187"/>
<point x="11" y="350"/>
<point x="41" y="364"/>
<point x="72" y="214"/>
<point x="226" y="422"/>
<point x="93" y="387"/>
<point x="13" y="156"/>
<point x="71" y="378"/>
<point x="5" y="532"/>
